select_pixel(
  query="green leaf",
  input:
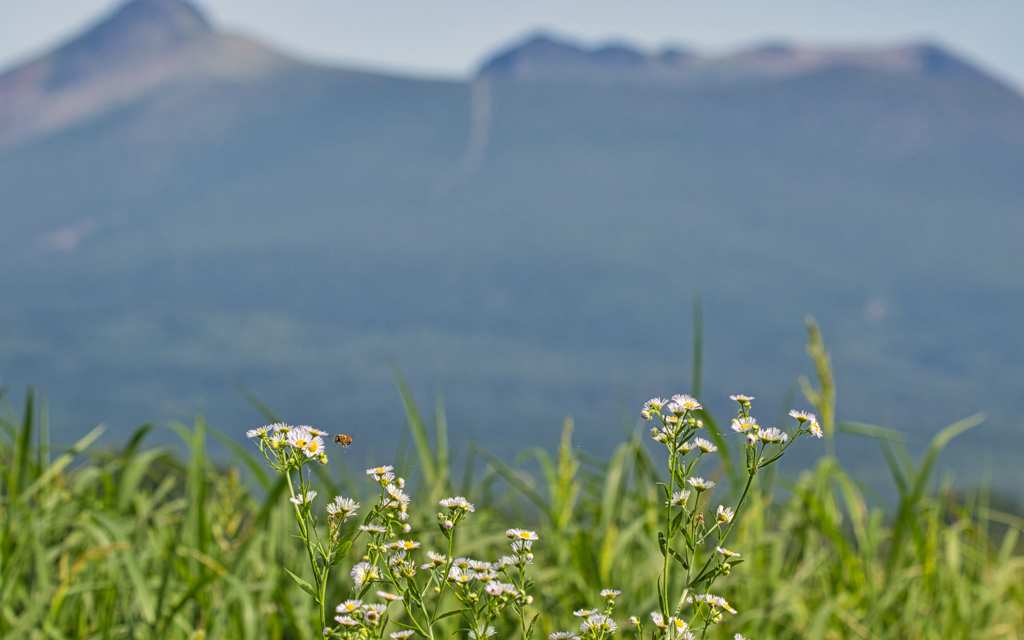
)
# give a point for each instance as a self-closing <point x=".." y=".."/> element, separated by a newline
<point x="529" y="630"/>
<point x="305" y="586"/>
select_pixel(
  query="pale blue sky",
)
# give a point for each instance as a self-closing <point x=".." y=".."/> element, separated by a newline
<point x="449" y="37"/>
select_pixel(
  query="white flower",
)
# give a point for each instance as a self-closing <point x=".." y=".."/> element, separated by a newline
<point x="398" y="635"/>
<point x="342" y="508"/>
<point x="751" y="438"/>
<point x="741" y="398"/>
<point x="659" y="620"/>
<point x="700" y="484"/>
<point x="398" y="497"/>
<point x="298" y="438"/>
<point x="348" y="621"/>
<point x="494" y="588"/>
<point x="487" y="633"/>
<point x="680" y="625"/>
<point x="584" y="613"/>
<point x="315" y="432"/>
<point x="724" y="514"/>
<point x="405" y="545"/>
<point x="458" y="502"/>
<point x="654" y="405"/>
<point x="521" y="534"/>
<point x="600" y="622"/>
<point x="314" y="447"/>
<point x="610" y="593"/>
<point x="362" y="573"/>
<point x="390" y="597"/>
<point x="302" y="499"/>
<point x="659" y="435"/>
<point x="563" y="635"/>
<point x="676" y="408"/>
<point x="679" y="498"/>
<point x="743" y="425"/>
<point x="802" y="416"/>
<point x="378" y="472"/>
<point x="814" y="428"/>
<point x="725" y="552"/>
<point x="257" y="433"/>
<point x="738" y="637"/>
<point x="348" y="606"/>
<point x="704" y="445"/>
<point x="772" y="435"/>
<point x="280" y="427"/>
<point x="372" y="528"/>
<point x="686" y="447"/>
<point x="689" y="403"/>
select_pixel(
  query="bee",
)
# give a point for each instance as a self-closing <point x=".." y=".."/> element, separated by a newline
<point x="343" y="440"/>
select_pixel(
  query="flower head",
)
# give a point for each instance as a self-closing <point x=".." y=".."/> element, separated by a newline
<point x="261" y="432"/>
<point x="725" y="552"/>
<point x="772" y="435"/>
<point x="563" y="635"/>
<point x="405" y="633"/>
<point x="688" y="403"/>
<point x="742" y="399"/>
<point x="600" y="622"/>
<point x="342" y="508"/>
<point x="348" y="606"/>
<point x="705" y="445"/>
<point x="584" y="613"/>
<point x="610" y="593"/>
<point x="458" y="503"/>
<point x="378" y="472"/>
<point x="744" y="424"/>
<point x="654" y="405"/>
<point x="521" y="534"/>
<point x="362" y="573"/>
<point x="486" y="633"/>
<point x="390" y="597"/>
<point x="303" y="498"/>
<point x="679" y="498"/>
<point x="700" y="484"/>
<point x="724" y="514"/>
<point x="659" y="620"/>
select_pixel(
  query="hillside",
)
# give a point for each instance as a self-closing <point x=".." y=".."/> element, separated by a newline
<point x="528" y="241"/>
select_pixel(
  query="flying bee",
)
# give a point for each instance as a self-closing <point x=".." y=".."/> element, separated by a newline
<point x="343" y="440"/>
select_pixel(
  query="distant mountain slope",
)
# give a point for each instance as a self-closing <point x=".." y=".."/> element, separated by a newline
<point x="529" y="240"/>
<point x="145" y="44"/>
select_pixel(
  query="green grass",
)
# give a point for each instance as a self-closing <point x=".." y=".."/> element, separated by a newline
<point x="144" y="543"/>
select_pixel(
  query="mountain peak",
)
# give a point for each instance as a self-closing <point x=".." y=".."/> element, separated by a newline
<point x="139" y="30"/>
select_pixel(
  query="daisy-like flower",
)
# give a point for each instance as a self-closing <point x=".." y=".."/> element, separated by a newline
<point x="479" y="565"/>
<point x="725" y="552"/>
<point x="563" y="635"/>
<point x="342" y="508"/>
<point x="486" y="633"/>
<point x="679" y="498"/>
<point x="633" y="620"/>
<point x="347" y="621"/>
<point x="299" y="438"/>
<point x="676" y="409"/>
<point x="463" y="563"/>
<point x="399" y="498"/>
<point x="802" y="416"/>
<point x="405" y="545"/>
<point x="257" y="433"/>
<point x="315" y="432"/>
<point x="721" y="603"/>
<point x="659" y="435"/>
<point x="738" y="637"/>
<point x="348" y="606"/>
<point x="436" y="559"/>
<point x="813" y="427"/>
<point x="314" y="447"/>
<point x="679" y="625"/>
<point x="362" y="573"/>
<point x="584" y="613"/>
<point x="378" y="472"/>
<point x="700" y="484"/>
<point x="686" y="447"/>
<point x="659" y="620"/>
<point x="689" y="403"/>
<point x="724" y="515"/>
<point x="772" y="435"/>
<point x="521" y="534"/>
<point x="302" y="499"/>
<point x="751" y="438"/>
<point x="600" y="622"/>
<point x="494" y="588"/>
<point x="390" y="597"/>
<point x="654" y="405"/>
<point x="405" y="633"/>
<point x="372" y="528"/>
<point x="740" y="398"/>
<point x="745" y="424"/>
<point x="705" y="445"/>
<point x="610" y="593"/>
<point x="280" y="427"/>
<point x="458" y="502"/>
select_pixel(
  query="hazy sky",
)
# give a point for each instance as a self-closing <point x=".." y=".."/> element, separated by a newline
<point x="449" y="37"/>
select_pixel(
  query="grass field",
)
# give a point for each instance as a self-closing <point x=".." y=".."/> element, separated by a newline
<point x="142" y="542"/>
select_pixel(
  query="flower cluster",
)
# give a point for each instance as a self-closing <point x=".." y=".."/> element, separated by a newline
<point x="357" y="619"/>
<point x="597" y="624"/>
<point x="286" y="447"/>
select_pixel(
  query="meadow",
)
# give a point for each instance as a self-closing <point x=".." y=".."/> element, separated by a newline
<point x="143" y="542"/>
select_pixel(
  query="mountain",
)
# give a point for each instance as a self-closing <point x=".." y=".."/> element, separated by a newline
<point x="144" y="45"/>
<point x="526" y="242"/>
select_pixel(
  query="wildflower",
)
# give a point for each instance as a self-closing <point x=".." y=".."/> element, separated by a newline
<point x="688" y="403"/>
<point x="744" y="424"/>
<point x="298" y="438"/>
<point x="724" y="515"/>
<point x="814" y="428"/>
<point x="600" y="622"/>
<point x="407" y="528"/>
<point x="405" y="545"/>
<point x="280" y="427"/>
<point x="676" y="408"/>
<point x="686" y="447"/>
<point x="405" y="633"/>
<point x="700" y="484"/>
<point x="378" y="472"/>
<point x="390" y="597"/>
<point x="305" y="498"/>
<point x="315" y="432"/>
<point x="372" y="613"/>
<point x="751" y="438"/>
<point x="742" y="399"/>
<point x="348" y="606"/>
<point x="314" y="447"/>
<point x="372" y="528"/>
<point x="659" y="435"/>
<point x="633" y="620"/>
<point x="803" y="416"/>
<point x="348" y="621"/>
<point x="654" y="405"/>
<point x="364" y="572"/>
<point x="506" y="561"/>
<point x="494" y="588"/>
<point x="659" y="620"/>
<point x="436" y="558"/>
<point x="679" y="498"/>
<point x="563" y="635"/>
<point x="342" y="508"/>
<point x="487" y="633"/>
<point x="772" y="435"/>
<point x="738" y="637"/>
<point x="679" y="625"/>
<point x="584" y="613"/>
<point x="646" y="415"/>
<point x="725" y="552"/>
<point x="257" y="433"/>
<point x="458" y="502"/>
<point x="521" y="534"/>
<point x="704" y="445"/>
<point x="610" y="593"/>
<point x="463" y="563"/>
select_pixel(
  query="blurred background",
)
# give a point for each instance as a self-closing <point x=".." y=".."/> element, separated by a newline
<point x="516" y="203"/>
